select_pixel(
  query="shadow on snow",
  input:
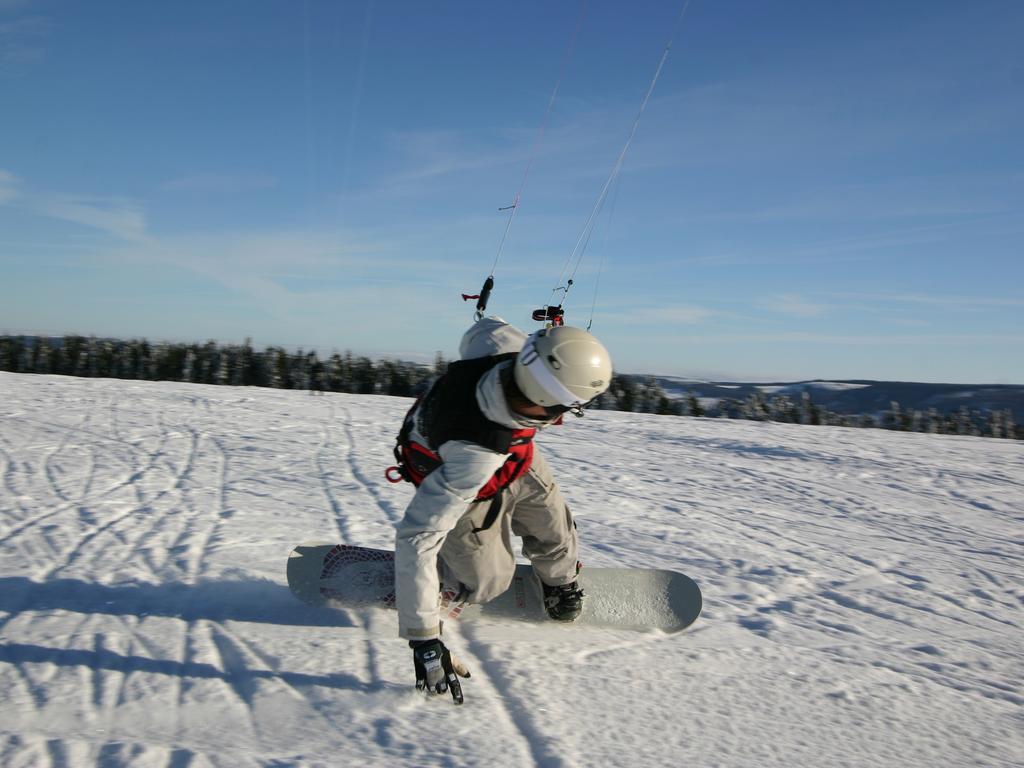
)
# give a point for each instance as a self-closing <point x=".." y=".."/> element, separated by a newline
<point x="259" y="600"/>
<point x="254" y="601"/>
<point x="22" y="653"/>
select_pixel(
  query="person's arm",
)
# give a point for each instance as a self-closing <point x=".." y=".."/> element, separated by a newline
<point x="440" y="501"/>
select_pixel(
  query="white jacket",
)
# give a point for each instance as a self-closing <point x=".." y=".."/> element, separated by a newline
<point x="445" y="494"/>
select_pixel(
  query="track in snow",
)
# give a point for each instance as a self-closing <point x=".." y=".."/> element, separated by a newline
<point x="863" y="592"/>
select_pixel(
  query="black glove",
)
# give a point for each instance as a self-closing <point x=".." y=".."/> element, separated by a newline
<point x="437" y="670"/>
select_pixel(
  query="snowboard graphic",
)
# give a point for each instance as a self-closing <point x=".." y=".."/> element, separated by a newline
<point x="616" y="598"/>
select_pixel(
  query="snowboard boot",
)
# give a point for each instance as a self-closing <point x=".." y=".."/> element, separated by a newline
<point x="563" y="603"/>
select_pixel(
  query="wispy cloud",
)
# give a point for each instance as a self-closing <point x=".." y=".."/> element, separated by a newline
<point x="793" y="306"/>
<point x="423" y="158"/>
<point x="206" y="181"/>
<point x="422" y="161"/>
<point x="324" y="255"/>
<point x="847" y="204"/>
<point x="9" y="187"/>
<point x="313" y="286"/>
<point x="669" y="314"/>
<point x="866" y="341"/>
<point x="119" y="217"/>
<point x="431" y="154"/>
<point x="286" y="268"/>
<point x="936" y="300"/>
<point x="22" y="41"/>
<point x="864" y="247"/>
<point x="122" y="219"/>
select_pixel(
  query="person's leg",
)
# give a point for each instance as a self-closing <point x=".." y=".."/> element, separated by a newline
<point x="479" y="558"/>
<point x="543" y="520"/>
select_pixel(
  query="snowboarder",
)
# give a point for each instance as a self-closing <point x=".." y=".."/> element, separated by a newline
<point x="468" y="445"/>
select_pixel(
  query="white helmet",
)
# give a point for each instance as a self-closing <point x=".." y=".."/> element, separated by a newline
<point x="562" y="366"/>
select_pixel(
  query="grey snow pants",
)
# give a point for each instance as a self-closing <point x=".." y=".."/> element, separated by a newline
<point x="532" y="508"/>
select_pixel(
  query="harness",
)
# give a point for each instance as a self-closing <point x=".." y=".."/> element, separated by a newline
<point x="449" y="411"/>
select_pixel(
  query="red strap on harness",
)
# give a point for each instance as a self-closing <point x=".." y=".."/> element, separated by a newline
<point x="417" y="461"/>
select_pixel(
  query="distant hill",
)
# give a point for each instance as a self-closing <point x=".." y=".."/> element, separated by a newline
<point x="862" y="396"/>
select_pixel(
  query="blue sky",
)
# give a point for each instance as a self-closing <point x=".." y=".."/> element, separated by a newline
<point x="829" y="190"/>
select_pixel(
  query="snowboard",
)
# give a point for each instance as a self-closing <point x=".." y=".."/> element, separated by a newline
<point x="347" y="576"/>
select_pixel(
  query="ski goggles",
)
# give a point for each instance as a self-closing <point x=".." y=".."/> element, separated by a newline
<point x="557" y="411"/>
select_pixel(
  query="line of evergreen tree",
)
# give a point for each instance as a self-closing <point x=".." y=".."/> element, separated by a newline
<point x="241" y="365"/>
<point x="212" y="363"/>
<point x="645" y="395"/>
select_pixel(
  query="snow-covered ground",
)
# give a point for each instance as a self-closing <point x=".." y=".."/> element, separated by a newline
<point x="798" y="387"/>
<point x="863" y="593"/>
